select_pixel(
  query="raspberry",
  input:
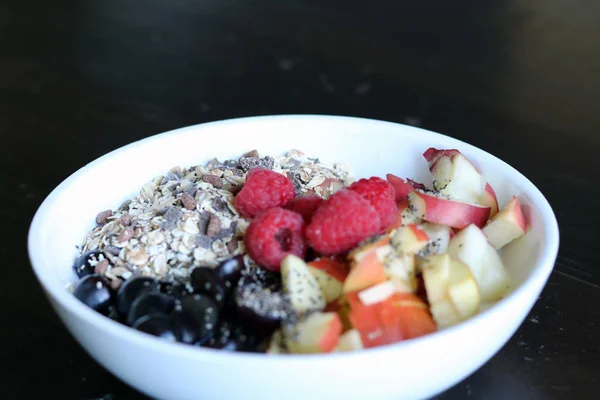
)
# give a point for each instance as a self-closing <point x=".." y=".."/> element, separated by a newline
<point x="305" y="206"/>
<point x="341" y="223"/>
<point x="381" y="195"/>
<point x="274" y="234"/>
<point x="263" y="189"/>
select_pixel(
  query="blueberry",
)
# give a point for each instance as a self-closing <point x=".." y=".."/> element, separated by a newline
<point x="174" y="289"/>
<point x="158" y="325"/>
<point x="83" y="264"/>
<point x="150" y="304"/>
<point x="196" y="318"/>
<point x="203" y="281"/>
<point x="132" y="289"/>
<point x="94" y="291"/>
<point x="229" y="272"/>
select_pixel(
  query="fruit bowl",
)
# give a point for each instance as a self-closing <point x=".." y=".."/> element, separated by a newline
<point x="412" y="369"/>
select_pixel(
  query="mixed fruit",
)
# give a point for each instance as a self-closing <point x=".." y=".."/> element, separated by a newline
<point x="378" y="262"/>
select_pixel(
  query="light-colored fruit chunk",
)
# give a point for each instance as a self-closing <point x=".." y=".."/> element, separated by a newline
<point x="439" y="210"/>
<point x="507" y="225"/>
<point x="470" y="245"/>
<point x="405" y="216"/>
<point x="439" y="237"/>
<point x="377" y="293"/>
<point x="317" y="333"/>
<point x="454" y="175"/>
<point x="330" y="275"/>
<point x="302" y="287"/>
<point x="452" y="290"/>
<point x="489" y="199"/>
<point x="409" y="239"/>
<point x="350" y="341"/>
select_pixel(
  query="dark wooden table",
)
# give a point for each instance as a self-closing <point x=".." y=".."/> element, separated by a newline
<point x="520" y="79"/>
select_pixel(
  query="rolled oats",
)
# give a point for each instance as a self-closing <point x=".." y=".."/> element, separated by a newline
<point x="187" y="217"/>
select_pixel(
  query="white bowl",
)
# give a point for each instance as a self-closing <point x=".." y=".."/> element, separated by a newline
<point x="414" y="369"/>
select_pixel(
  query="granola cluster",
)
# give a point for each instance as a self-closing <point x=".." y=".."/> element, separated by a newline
<point x="186" y="218"/>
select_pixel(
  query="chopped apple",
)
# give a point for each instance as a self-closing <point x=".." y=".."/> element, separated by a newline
<point x="507" y="225"/>
<point x="489" y="199"/>
<point x="401" y="271"/>
<point x="439" y="210"/>
<point x="367" y="268"/>
<point x="404" y="217"/>
<point x="451" y="289"/>
<point x="302" y="287"/>
<point x="471" y="246"/>
<point x="409" y="239"/>
<point x="377" y="293"/>
<point x="330" y="275"/>
<point x="439" y="237"/>
<point x="350" y="341"/>
<point x="412" y="315"/>
<point x="454" y="175"/>
<point x="403" y="187"/>
<point x="317" y="333"/>
<point x="277" y="343"/>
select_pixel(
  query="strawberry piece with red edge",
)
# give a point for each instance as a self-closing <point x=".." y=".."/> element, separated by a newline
<point x="263" y="189"/>
<point x="274" y="234"/>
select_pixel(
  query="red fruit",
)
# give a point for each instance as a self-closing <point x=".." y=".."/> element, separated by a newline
<point x="305" y="206"/>
<point x="263" y="189"/>
<point x="343" y="221"/>
<point x="381" y="195"/>
<point x="403" y="187"/>
<point x="274" y="234"/>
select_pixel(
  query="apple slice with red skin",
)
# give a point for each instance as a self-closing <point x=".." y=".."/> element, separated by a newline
<point x="454" y="175"/>
<point x="367" y="268"/>
<point x="403" y="187"/>
<point x="443" y="211"/>
<point x="330" y="275"/>
<point x="489" y="199"/>
<point x="507" y="225"/>
<point x="317" y="333"/>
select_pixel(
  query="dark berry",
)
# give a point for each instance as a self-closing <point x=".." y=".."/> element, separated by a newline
<point x="273" y="235"/>
<point x="158" y="325"/>
<point x="133" y="288"/>
<point x="204" y="281"/>
<point x="94" y="291"/>
<point x="150" y="304"/>
<point x="174" y="289"/>
<point x="84" y="264"/>
<point x="261" y="309"/>
<point x="196" y="318"/>
<point x="229" y="272"/>
<point x="231" y="338"/>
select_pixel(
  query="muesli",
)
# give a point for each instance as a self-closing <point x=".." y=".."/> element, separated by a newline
<point x="286" y="254"/>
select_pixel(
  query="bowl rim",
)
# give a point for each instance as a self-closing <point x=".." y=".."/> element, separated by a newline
<point x="534" y="283"/>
